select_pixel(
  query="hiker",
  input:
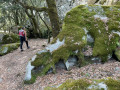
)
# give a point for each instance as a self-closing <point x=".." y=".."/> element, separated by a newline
<point x="23" y="37"/>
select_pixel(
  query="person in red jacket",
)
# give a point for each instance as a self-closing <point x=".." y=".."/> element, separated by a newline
<point x="23" y="37"/>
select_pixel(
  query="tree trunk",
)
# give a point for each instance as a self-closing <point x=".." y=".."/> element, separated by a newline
<point x="54" y="19"/>
<point x="16" y="18"/>
<point x="35" y="25"/>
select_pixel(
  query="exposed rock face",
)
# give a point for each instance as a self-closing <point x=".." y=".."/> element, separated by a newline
<point x="103" y="2"/>
<point x="100" y="22"/>
<point x="71" y="62"/>
<point x="64" y="6"/>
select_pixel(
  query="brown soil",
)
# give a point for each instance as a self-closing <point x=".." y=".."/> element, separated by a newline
<point x="13" y="66"/>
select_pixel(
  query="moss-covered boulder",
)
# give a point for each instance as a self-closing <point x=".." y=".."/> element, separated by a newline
<point x="99" y="22"/>
<point x="10" y="38"/>
<point x="87" y="84"/>
<point x="4" y="49"/>
<point x="117" y="53"/>
<point x="104" y="2"/>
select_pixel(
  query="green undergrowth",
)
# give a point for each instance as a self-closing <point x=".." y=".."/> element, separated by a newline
<point x="84" y="84"/>
<point x="6" y="48"/>
<point x="10" y="38"/>
<point x="80" y="84"/>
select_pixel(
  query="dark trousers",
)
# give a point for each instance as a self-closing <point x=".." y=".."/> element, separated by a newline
<point x="22" y="39"/>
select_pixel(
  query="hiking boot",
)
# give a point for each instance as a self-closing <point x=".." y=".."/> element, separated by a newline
<point x="28" y="47"/>
<point x="22" y="50"/>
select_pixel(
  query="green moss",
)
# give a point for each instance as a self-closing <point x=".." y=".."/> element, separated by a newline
<point x="8" y="48"/>
<point x="117" y="3"/>
<point x="73" y="30"/>
<point x="10" y="38"/>
<point x="42" y="59"/>
<point x="32" y="80"/>
<point x="113" y="84"/>
<point x="117" y="53"/>
<point x="83" y="84"/>
<point x="80" y="84"/>
<point x="52" y="12"/>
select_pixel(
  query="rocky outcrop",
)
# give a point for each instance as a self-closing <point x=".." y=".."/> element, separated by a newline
<point x="96" y="26"/>
<point x="4" y="49"/>
<point x="65" y="6"/>
<point x="103" y="2"/>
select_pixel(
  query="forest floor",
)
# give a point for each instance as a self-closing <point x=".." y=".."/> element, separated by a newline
<point x="13" y="66"/>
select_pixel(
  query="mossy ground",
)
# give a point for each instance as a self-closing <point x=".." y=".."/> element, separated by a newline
<point x="83" y="84"/>
<point x="76" y="23"/>
<point x="10" y="38"/>
<point x="6" y="48"/>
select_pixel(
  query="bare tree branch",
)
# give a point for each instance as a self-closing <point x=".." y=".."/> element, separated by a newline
<point x="32" y="7"/>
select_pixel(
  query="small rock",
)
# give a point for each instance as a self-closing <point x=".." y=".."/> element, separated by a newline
<point x="71" y="62"/>
<point x="117" y="68"/>
<point x="18" y="75"/>
<point x="109" y="74"/>
<point x="50" y="71"/>
<point x="43" y="45"/>
<point x="60" y="64"/>
<point x="0" y="80"/>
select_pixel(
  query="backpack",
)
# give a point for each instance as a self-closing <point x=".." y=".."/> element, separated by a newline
<point x="21" y="33"/>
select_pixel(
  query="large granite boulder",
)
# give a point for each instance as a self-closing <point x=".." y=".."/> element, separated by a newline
<point x="83" y="25"/>
<point x="104" y="2"/>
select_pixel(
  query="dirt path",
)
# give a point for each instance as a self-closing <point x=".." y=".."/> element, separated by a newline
<point x="13" y="65"/>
